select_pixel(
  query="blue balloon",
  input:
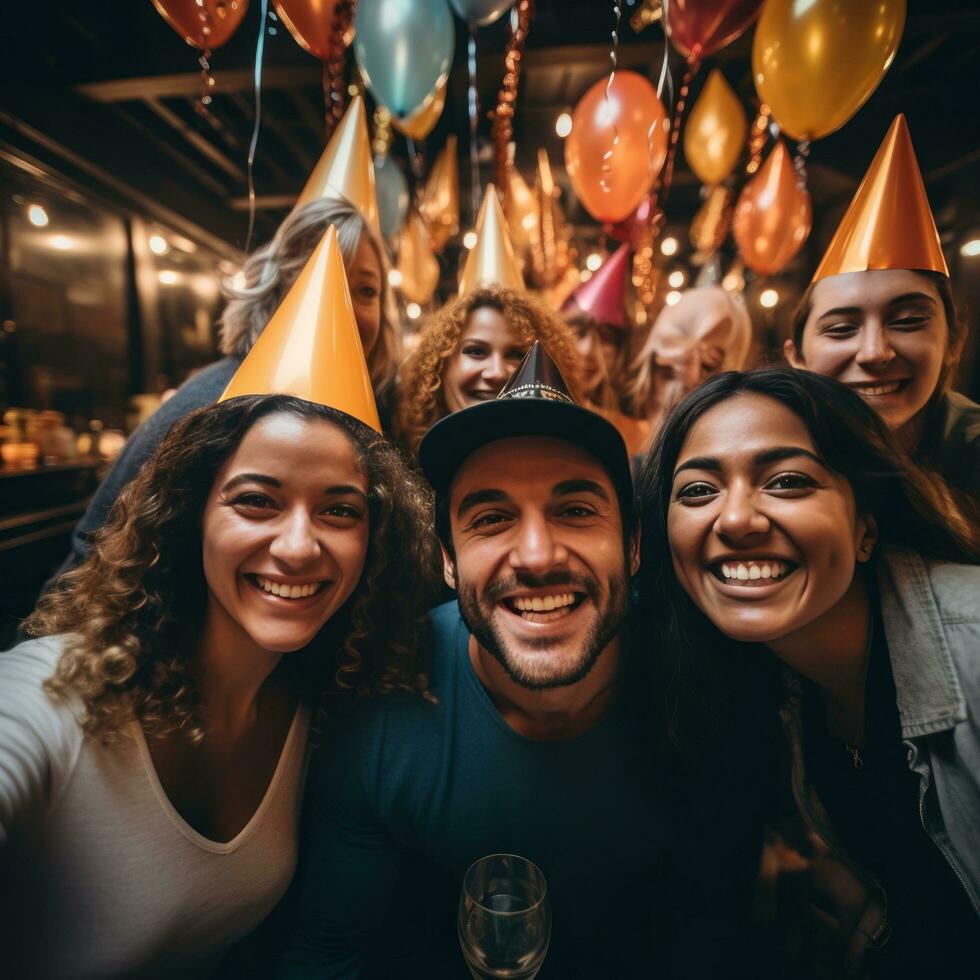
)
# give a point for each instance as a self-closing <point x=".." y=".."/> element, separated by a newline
<point x="392" y="191"/>
<point x="479" y="13"/>
<point x="404" y="49"/>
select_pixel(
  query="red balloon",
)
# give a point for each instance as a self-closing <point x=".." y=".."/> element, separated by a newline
<point x="316" y="26"/>
<point x="773" y="215"/>
<point x="698" y="28"/>
<point x="629" y="229"/>
<point x="204" y="26"/>
<point x="617" y="145"/>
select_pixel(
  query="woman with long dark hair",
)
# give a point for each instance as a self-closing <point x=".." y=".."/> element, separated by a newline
<point x="153" y="737"/>
<point x="802" y="538"/>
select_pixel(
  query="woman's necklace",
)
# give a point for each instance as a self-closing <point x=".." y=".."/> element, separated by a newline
<point x="852" y="746"/>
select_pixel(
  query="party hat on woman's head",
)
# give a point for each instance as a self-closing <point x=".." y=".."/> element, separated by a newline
<point x="492" y="259"/>
<point x="889" y="224"/>
<point x="311" y="348"/>
<point x="345" y="170"/>
<point x="603" y="297"/>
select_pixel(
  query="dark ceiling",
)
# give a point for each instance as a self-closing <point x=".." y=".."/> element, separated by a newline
<point x="105" y="92"/>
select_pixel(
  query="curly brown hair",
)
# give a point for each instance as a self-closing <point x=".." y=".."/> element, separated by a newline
<point x="134" y="607"/>
<point x="421" y="400"/>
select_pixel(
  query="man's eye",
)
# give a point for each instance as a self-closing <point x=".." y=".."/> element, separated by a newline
<point x="488" y="520"/>
<point x="696" y="492"/>
<point x="791" y="481"/>
<point x="577" y="510"/>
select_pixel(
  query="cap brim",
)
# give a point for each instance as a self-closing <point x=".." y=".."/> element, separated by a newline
<point x="452" y="439"/>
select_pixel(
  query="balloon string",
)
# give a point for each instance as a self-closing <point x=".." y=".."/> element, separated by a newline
<point x="259" y="52"/>
<point x="474" y="107"/>
<point x="665" y="75"/>
<point x="799" y="162"/>
<point x="675" y="127"/>
<point x="606" y="168"/>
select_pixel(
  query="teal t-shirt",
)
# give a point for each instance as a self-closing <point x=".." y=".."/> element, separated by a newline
<point x="405" y="794"/>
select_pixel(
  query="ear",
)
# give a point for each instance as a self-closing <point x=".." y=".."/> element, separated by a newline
<point x="792" y="355"/>
<point x="448" y="569"/>
<point x="635" y="550"/>
<point x="869" y="537"/>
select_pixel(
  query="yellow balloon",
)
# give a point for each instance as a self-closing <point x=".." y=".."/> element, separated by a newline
<point x="816" y="63"/>
<point x="423" y="120"/>
<point x="715" y="132"/>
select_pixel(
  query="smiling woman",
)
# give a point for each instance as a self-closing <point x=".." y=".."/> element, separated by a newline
<point x="268" y="553"/>
<point x="799" y="529"/>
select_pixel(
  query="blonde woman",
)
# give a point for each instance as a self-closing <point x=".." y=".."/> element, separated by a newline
<point x="269" y="272"/>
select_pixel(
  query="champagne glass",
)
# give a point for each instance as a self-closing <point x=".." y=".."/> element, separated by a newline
<point x="504" y="918"/>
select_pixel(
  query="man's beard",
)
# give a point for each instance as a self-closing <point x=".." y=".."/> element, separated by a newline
<point x="601" y="633"/>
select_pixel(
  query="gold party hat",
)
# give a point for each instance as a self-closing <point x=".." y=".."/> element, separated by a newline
<point x="416" y="262"/>
<point x="889" y="224"/>
<point x="492" y="259"/>
<point x="311" y="348"/>
<point x="439" y="205"/>
<point x="345" y="169"/>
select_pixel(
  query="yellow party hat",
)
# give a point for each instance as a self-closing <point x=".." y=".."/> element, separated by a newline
<point x="346" y="169"/>
<point x="439" y="206"/>
<point x="492" y="259"/>
<point x="311" y="348"/>
<point x="889" y="224"/>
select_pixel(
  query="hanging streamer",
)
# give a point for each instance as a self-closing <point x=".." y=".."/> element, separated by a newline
<point x="334" y="89"/>
<point x="606" y="167"/>
<point x="259" y="53"/>
<point x="502" y="128"/>
<point x="474" y="107"/>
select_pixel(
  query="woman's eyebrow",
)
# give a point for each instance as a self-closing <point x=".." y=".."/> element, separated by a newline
<point x="235" y="481"/>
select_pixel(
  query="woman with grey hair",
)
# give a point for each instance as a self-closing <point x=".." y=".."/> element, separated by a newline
<point x="268" y="274"/>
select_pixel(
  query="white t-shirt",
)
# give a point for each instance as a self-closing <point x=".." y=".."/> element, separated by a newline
<point x="99" y="875"/>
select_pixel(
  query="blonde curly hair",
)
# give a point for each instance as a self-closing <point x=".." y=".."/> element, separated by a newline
<point x="422" y="400"/>
<point x="132" y="611"/>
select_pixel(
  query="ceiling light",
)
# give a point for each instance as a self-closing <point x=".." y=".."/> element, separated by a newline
<point x="37" y="216"/>
<point x="469" y="239"/>
<point x="768" y="298"/>
<point x="413" y="310"/>
<point x="563" y="125"/>
<point x="669" y="246"/>
<point x="676" y="278"/>
<point x="158" y="245"/>
<point x="673" y="298"/>
<point x="970" y="248"/>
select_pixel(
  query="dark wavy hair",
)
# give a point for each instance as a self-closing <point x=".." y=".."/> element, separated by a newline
<point x="698" y="667"/>
<point x="135" y="605"/>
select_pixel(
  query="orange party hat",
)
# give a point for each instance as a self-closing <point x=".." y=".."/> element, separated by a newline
<point x="346" y="169"/>
<point x="889" y="224"/>
<point x="311" y="348"/>
<point x="492" y="259"/>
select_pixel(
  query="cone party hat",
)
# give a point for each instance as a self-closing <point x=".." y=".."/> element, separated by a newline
<point x="889" y="224"/>
<point x="492" y="258"/>
<point x="346" y="170"/>
<point x="311" y="348"/>
<point x="603" y="297"/>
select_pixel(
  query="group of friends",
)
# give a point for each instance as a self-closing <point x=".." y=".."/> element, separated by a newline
<point x="709" y="657"/>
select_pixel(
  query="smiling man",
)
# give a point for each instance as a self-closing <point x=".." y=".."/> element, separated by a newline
<point x="529" y="747"/>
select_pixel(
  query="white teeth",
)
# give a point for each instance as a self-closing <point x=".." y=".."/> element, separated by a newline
<point x="886" y="389"/>
<point x="543" y="603"/>
<point x="288" y="591"/>
<point x="752" y="571"/>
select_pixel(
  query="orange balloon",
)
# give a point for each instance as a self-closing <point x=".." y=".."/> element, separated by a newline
<point x="203" y="25"/>
<point x="315" y="25"/>
<point x="773" y="215"/>
<point x="714" y="136"/>
<point x="423" y="121"/>
<point x="617" y="145"/>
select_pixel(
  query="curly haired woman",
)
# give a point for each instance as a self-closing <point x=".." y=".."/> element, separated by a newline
<point x="153" y="736"/>
<point x="468" y="351"/>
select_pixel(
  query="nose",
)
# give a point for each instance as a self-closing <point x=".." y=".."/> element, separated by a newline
<point x="740" y="518"/>
<point x="295" y="543"/>
<point x="536" y="549"/>
<point x="496" y="370"/>
<point x="876" y="349"/>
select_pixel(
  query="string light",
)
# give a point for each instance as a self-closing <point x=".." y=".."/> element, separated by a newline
<point x="676" y="279"/>
<point x="413" y="311"/>
<point x="395" y="278"/>
<point x="502" y="127"/>
<point x="669" y="246"/>
<point x="469" y="239"/>
<point x="970" y="248"/>
<point x="158" y="245"/>
<point x="168" y="277"/>
<point x="37" y="216"/>
<point x="585" y="275"/>
<point x="768" y="298"/>
<point x="672" y="298"/>
<point x="593" y="262"/>
<point x="563" y="125"/>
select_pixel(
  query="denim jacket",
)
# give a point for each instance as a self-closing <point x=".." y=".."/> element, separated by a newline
<point x="931" y="614"/>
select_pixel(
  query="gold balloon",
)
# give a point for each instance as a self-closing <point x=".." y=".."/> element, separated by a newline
<point x="773" y="215"/>
<point x="439" y="206"/>
<point x="521" y="210"/>
<point x="716" y="130"/>
<point x="311" y="347"/>
<point x="816" y="63"/>
<point x="416" y="263"/>
<point x="418" y="125"/>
